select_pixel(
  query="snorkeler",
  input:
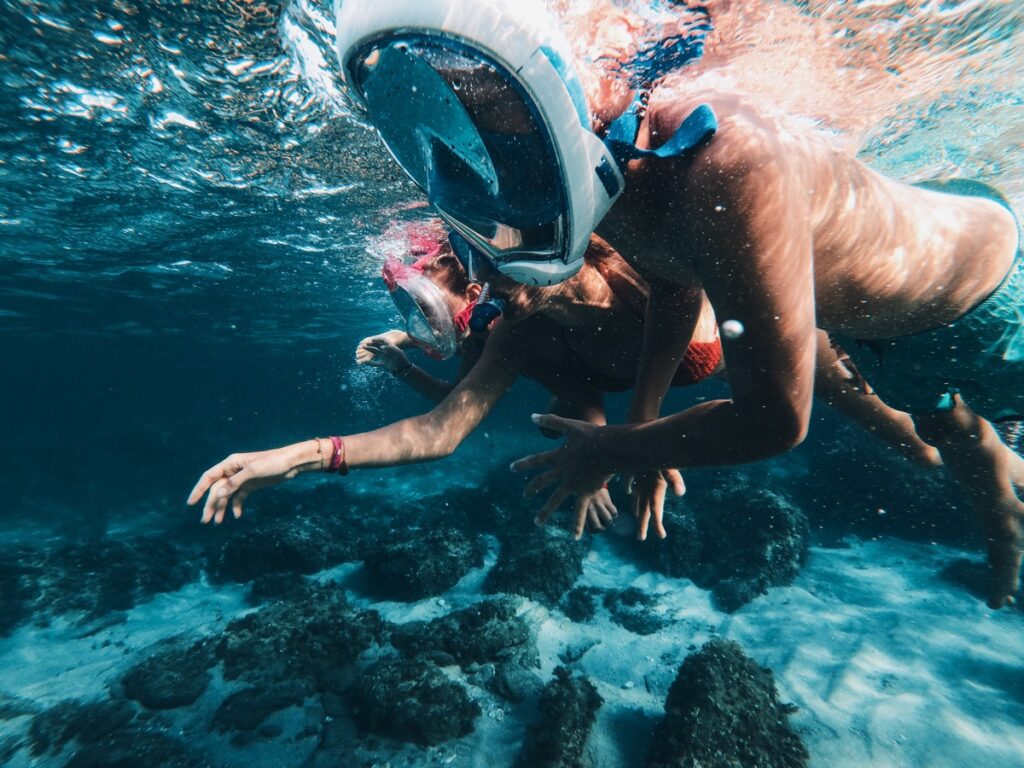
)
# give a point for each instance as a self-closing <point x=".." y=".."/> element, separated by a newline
<point x="579" y="339"/>
<point x="483" y="108"/>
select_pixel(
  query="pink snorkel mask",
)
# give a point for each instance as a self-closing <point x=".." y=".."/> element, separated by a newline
<point x="428" y="319"/>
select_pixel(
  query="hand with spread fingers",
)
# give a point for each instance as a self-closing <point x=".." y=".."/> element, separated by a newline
<point x="574" y="468"/>
<point x="233" y="479"/>
<point x="648" y="490"/>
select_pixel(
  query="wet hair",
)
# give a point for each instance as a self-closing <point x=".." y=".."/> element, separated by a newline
<point x="427" y="243"/>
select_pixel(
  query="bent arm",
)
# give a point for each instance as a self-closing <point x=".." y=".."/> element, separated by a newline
<point x="753" y="254"/>
<point x="669" y="324"/>
<point x="436" y="434"/>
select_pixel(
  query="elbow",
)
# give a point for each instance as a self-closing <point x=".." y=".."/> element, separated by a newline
<point x="781" y="431"/>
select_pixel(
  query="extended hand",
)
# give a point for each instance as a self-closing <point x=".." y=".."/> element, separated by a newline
<point x="574" y="467"/>
<point x="380" y="352"/>
<point x="648" y="489"/>
<point x="233" y="479"/>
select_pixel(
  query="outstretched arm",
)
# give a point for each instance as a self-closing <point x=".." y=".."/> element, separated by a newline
<point x="420" y="438"/>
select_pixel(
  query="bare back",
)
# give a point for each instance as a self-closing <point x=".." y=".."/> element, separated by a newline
<point x="889" y="259"/>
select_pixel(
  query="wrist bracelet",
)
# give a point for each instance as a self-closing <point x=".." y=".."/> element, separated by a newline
<point x="401" y="372"/>
<point x="339" y="461"/>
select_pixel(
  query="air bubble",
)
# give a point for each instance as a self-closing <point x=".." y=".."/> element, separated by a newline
<point x="732" y="329"/>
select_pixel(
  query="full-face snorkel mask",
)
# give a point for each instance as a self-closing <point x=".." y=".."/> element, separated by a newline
<point x="428" y="319"/>
<point x="480" y="106"/>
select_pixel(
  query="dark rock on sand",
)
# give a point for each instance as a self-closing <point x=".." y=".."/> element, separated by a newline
<point x="753" y="539"/>
<point x="541" y="564"/>
<point x="104" y="575"/>
<point x="245" y="710"/>
<point x="299" y="545"/>
<point x="16" y="591"/>
<point x="723" y="711"/>
<point x="424" y="564"/>
<point x="87" y="722"/>
<point x="580" y="604"/>
<point x="633" y="609"/>
<point x="172" y="676"/>
<point x="679" y="554"/>
<point x="737" y="541"/>
<point x="490" y="631"/>
<point x="514" y="683"/>
<point x="273" y="586"/>
<point x="311" y="638"/>
<point x="134" y="747"/>
<point x="413" y="700"/>
<point x="567" y="712"/>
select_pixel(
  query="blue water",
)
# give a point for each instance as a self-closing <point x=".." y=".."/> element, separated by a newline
<point x="186" y="203"/>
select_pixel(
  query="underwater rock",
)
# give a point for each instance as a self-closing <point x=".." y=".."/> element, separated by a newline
<point x="413" y="700"/>
<point x="514" y="683"/>
<point x="16" y="591"/>
<point x="490" y="631"/>
<point x="300" y="545"/>
<point x="580" y="604"/>
<point x="541" y="564"/>
<point x="171" y="677"/>
<point x="135" y="747"/>
<point x="424" y="565"/>
<point x="567" y="712"/>
<point x="311" y="638"/>
<point x="245" y="710"/>
<point x="723" y="711"/>
<point x="15" y="706"/>
<point x="753" y="539"/>
<point x="632" y="609"/>
<point x="87" y="722"/>
<point x="273" y="586"/>
<point x="104" y="575"/>
<point x="679" y="554"/>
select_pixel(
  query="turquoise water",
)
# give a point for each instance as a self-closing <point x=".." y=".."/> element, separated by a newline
<point x="186" y="201"/>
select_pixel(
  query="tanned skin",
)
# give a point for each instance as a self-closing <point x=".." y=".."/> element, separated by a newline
<point x="786" y="235"/>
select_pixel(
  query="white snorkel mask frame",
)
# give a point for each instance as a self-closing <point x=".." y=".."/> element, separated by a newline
<point x="521" y="37"/>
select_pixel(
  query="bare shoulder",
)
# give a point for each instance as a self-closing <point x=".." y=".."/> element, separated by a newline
<point x="749" y="151"/>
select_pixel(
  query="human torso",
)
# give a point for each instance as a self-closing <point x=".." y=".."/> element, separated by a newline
<point x="889" y="259"/>
<point x="596" y="334"/>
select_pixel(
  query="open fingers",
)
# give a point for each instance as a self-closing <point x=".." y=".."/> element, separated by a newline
<point x="237" y="501"/>
<point x="561" y="493"/>
<point x="583" y="511"/>
<point x="208" y="478"/>
<point x="553" y="423"/>
<point x="535" y="461"/>
<point x="658" y="509"/>
<point x="220" y="495"/>
<point x="644" y="519"/>
<point x="542" y="481"/>
<point x="675" y="482"/>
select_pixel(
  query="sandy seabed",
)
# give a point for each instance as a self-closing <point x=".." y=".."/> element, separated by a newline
<point x="887" y="662"/>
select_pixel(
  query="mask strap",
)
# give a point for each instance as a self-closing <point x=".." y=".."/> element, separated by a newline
<point x="461" y="320"/>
